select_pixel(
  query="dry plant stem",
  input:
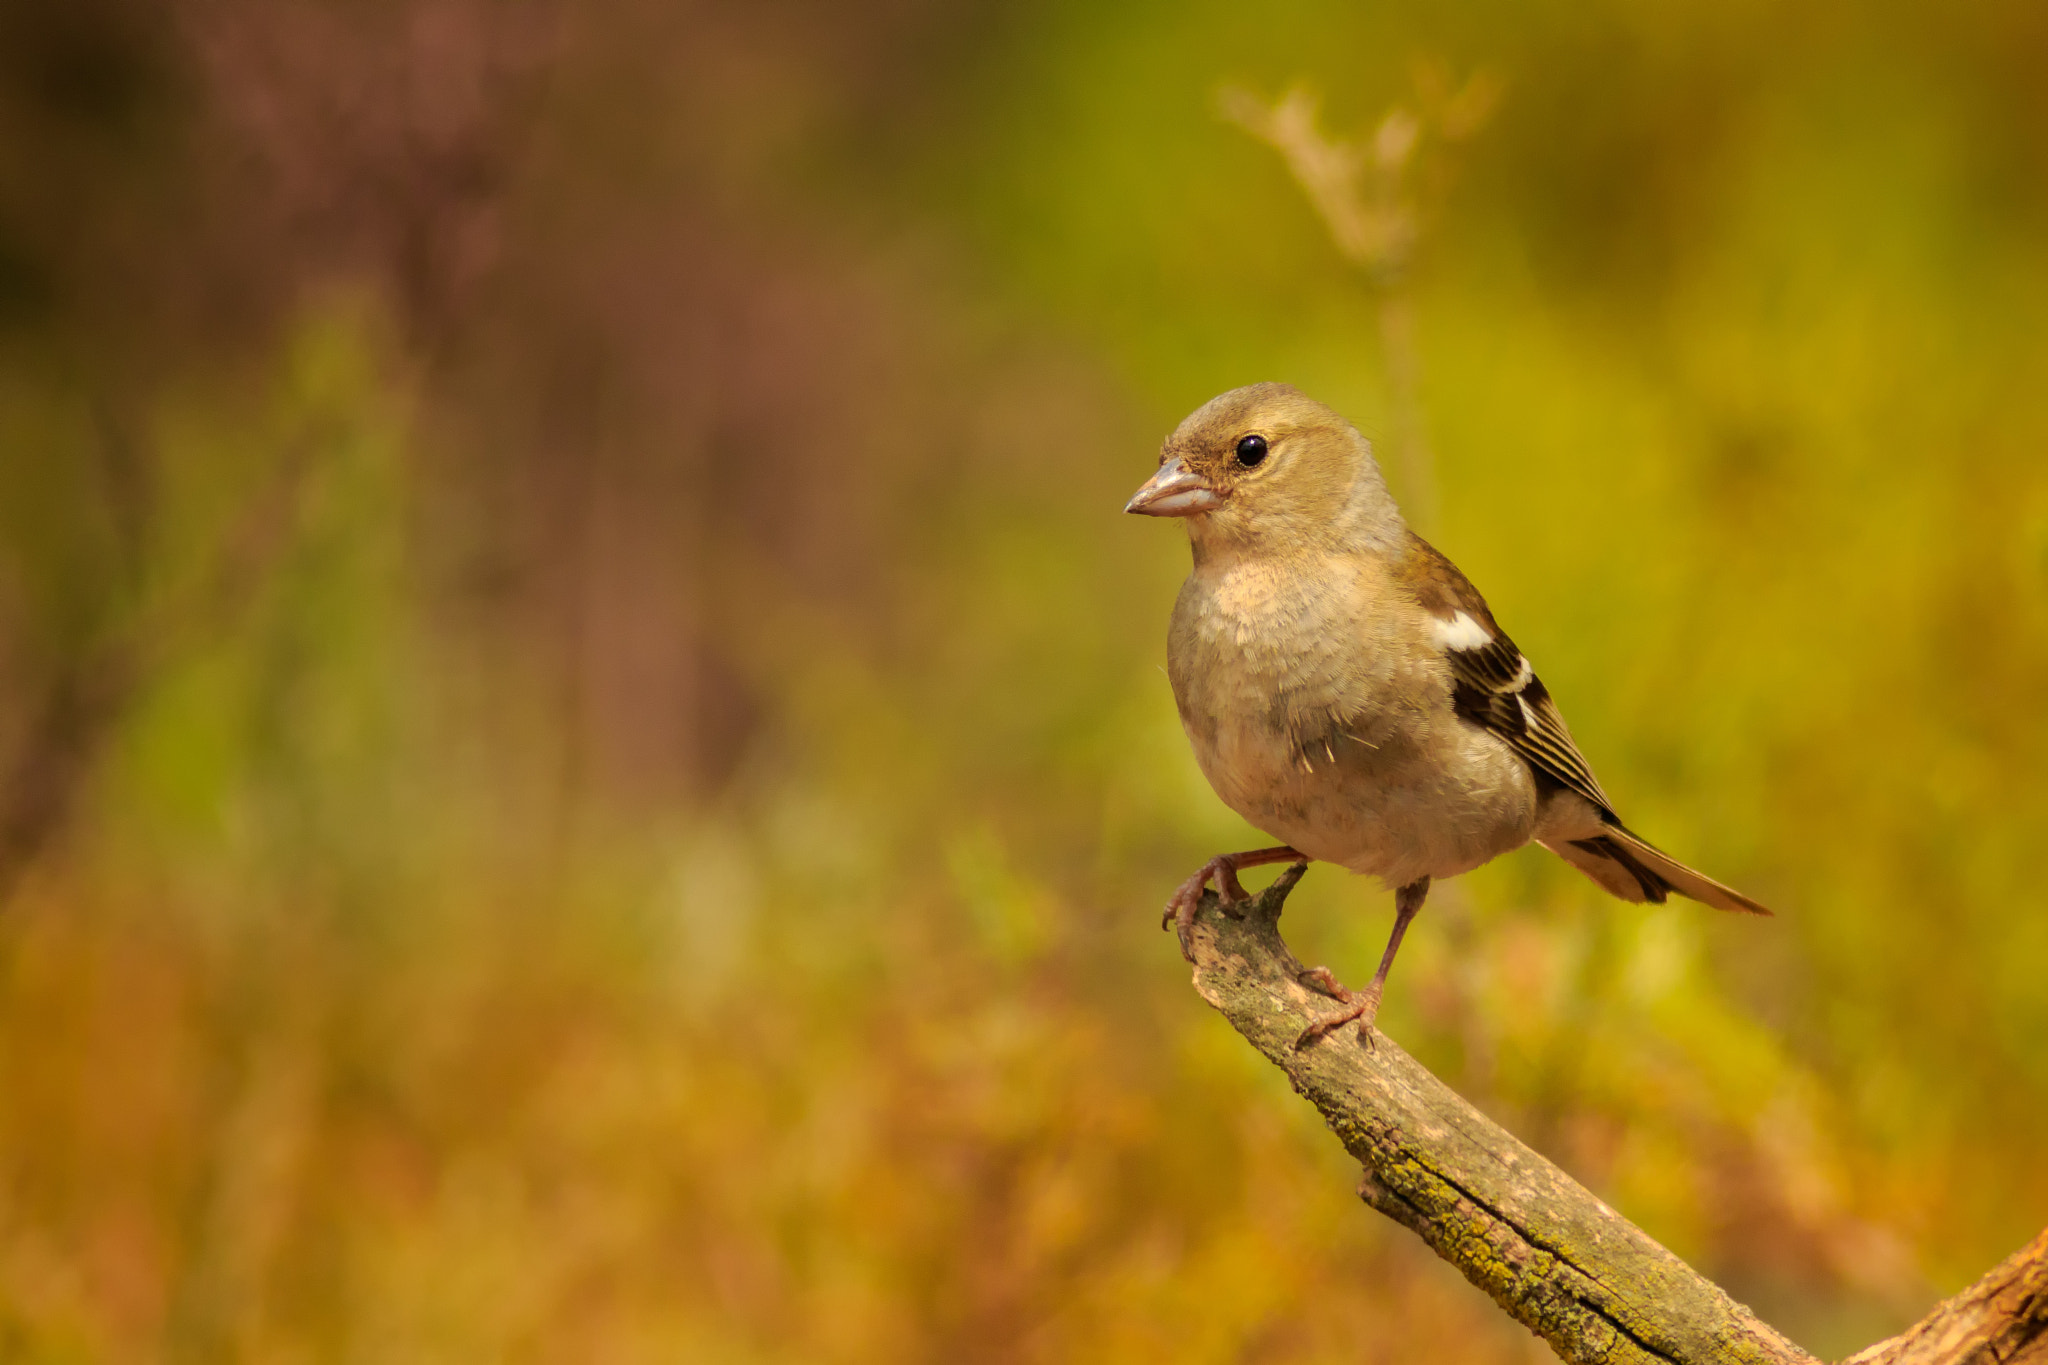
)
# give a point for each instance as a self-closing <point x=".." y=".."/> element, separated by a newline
<point x="1364" y="195"/>
<point x="1404" y="388"/>
<point x="1561" y="1262"/>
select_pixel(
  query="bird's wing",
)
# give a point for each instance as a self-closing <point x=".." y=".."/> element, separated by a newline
<point x="1494" y="687"/>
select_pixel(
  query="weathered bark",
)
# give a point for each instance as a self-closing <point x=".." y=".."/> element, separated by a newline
<point x="2000" y="1320"/>
<point x="1565" y="1265"/>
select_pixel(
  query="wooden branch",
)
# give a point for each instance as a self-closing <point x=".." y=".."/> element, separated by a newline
<point x="1567" y="1267"/>
<point x="2000" y="1320"/>
<point x="1570" y="1269"/>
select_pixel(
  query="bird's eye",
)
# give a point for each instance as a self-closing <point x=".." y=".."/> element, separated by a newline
<point x="1251" y="451"/>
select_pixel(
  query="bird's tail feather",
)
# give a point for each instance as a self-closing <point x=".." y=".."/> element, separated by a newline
<point x="1628" y="867"/>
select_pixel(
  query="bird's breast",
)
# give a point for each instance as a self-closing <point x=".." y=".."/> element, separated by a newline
<point x="1280" y="651"/>
<point x="1315" y="718"/>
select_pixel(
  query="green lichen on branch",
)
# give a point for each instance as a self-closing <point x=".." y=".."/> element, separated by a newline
<point x="1565" y="1265"/>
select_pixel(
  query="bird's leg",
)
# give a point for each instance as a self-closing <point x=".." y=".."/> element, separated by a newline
<point x="1223" y="870"/>
<point x="1364" y="1006"/>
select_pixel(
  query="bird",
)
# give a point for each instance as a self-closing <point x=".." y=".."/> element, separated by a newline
<point x="1347" y="691"/>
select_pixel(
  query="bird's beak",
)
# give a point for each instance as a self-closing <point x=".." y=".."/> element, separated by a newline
<point x="1174" y="492"/>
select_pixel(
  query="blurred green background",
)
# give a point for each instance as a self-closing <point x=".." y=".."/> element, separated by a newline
<point x="586" y="768"/>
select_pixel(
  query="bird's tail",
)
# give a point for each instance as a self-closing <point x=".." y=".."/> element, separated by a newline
<point x="1628" y="867"/>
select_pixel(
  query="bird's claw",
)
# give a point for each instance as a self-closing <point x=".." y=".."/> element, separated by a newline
<point x="1185" y="902"/>
<point x="1363" y="1006"/>
<point x="1315" y="1032"/>
<point x="1230" y="892"/>
<point x="1234" y="909"/>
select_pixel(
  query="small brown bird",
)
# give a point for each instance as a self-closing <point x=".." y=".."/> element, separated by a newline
<point x="1347" y="691"/>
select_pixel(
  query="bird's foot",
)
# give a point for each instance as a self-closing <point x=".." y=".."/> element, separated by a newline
<point x="1222" y="870"/>
<point x="1363" y="1006"/>
<point x="1181" y="906"/>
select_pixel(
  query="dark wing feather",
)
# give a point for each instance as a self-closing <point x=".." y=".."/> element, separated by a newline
<point x="1493" y="685"/>
<point x="1517" y="707"/>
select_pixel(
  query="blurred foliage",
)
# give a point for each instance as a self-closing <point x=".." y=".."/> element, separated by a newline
<point x="586" y="771"/>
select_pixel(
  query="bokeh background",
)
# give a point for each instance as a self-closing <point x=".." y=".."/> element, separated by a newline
<point x="584" y="766"/>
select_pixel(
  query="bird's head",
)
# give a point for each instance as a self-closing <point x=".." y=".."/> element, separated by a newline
<point x="1266" y="467"/>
